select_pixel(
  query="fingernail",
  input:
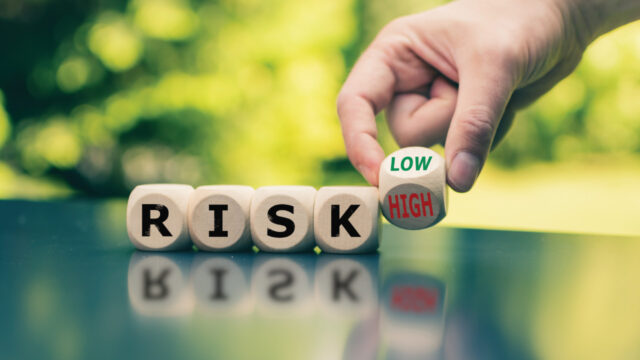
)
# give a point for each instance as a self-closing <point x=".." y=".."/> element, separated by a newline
<point x="463" y="171"/>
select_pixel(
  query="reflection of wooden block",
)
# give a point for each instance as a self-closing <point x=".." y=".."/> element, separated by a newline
<point x="413" y="315"/>
<point x="413" y="191"/>
<point x="157" y="217"/>
<point x="158" y="284"/>
<point x="282" y="285"/>
<point x="364" y="340"/>
<point x="346" y="219"/>
<point x="282" y="218"/>
<point x="347" y="285"/>
<point x="219" y="217"/>
<point x="221" y="283"/>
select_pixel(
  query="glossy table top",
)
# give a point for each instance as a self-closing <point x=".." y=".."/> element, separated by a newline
<point x="74" y="288"/>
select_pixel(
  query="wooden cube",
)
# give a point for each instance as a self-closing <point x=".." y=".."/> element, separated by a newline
<point x="282" y="218"/>
<point x="346" y="219"/>
<point x="413" y="190"/>
<point x="219" y="217"/>
<point x="157" y="217"/>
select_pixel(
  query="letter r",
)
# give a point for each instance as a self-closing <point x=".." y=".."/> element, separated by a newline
<point x="158" y="222"/>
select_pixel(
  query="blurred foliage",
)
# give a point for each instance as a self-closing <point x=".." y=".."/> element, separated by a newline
<point x="101" y="95"/>
<point x="592" y="112"/>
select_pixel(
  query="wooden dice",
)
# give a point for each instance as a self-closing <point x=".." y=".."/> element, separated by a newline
<point x="157" y="217"/>
<point x="413" y="192"/>
<point x="219" y="217"/>
<point x="282" y="218"/>
<point x="346" y="219"/>
<point x="339" y="219"/>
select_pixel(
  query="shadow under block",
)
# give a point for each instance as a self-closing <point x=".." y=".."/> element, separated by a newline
<point x="413" y="190"/>
<point x="157" y="217"/>
<point x="219" y="217"/>
<point x="346" y="219"/>
<point x="282" y="218"/>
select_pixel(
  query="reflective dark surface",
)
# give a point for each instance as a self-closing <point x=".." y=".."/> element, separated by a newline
<point x="74" y="288"/>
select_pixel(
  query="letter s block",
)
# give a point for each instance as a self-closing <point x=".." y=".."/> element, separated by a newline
<point x="282" y="218"/>
<point x="412" y="187"/>
<point x="157" y="217"/>
<point x="346" y="219"/>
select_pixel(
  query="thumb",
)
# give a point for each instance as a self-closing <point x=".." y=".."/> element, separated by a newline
<point x="483" y="94"/>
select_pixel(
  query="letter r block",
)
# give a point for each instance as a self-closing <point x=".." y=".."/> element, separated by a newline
<point x="282" y="218"/>
<point x="346" y="219"/>
<point x="157" y="217"/>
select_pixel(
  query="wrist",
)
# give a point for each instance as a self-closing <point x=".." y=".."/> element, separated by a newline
<point x="594" y="18"/>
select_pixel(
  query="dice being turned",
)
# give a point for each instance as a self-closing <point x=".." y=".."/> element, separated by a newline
<point x="412" y="188"/>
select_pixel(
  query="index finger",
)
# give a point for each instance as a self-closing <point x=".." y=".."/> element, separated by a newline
<point x="367" y="90"/>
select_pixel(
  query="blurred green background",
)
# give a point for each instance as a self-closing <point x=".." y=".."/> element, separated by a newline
<point x="98" y="96"/>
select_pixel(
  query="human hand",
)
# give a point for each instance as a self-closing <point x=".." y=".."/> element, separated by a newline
<point x="456" y="75"/>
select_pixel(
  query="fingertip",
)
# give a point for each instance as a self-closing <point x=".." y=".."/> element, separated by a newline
<point x="371" y="175"/>
<point x="463" y="171"/>
<point x="366" y="155"/>
<point x="371" y="165"/>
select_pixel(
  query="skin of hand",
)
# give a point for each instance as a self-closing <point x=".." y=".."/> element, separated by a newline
<point x="456" y="75"/>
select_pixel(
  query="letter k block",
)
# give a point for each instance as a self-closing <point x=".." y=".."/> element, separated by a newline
<point x="346" y="219"/>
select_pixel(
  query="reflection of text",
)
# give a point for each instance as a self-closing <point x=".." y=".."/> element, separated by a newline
<point x="414" y="299"/>
<point x="162" y="285"/>
<point x="156" y="288"/>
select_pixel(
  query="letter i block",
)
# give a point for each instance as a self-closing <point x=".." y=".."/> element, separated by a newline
<point x="413" y="190"/>
<point x="282" y="218"/>
<point x="346" y="219"/>
<point x="157" y="217"/>
<point x="219" y="217"/>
